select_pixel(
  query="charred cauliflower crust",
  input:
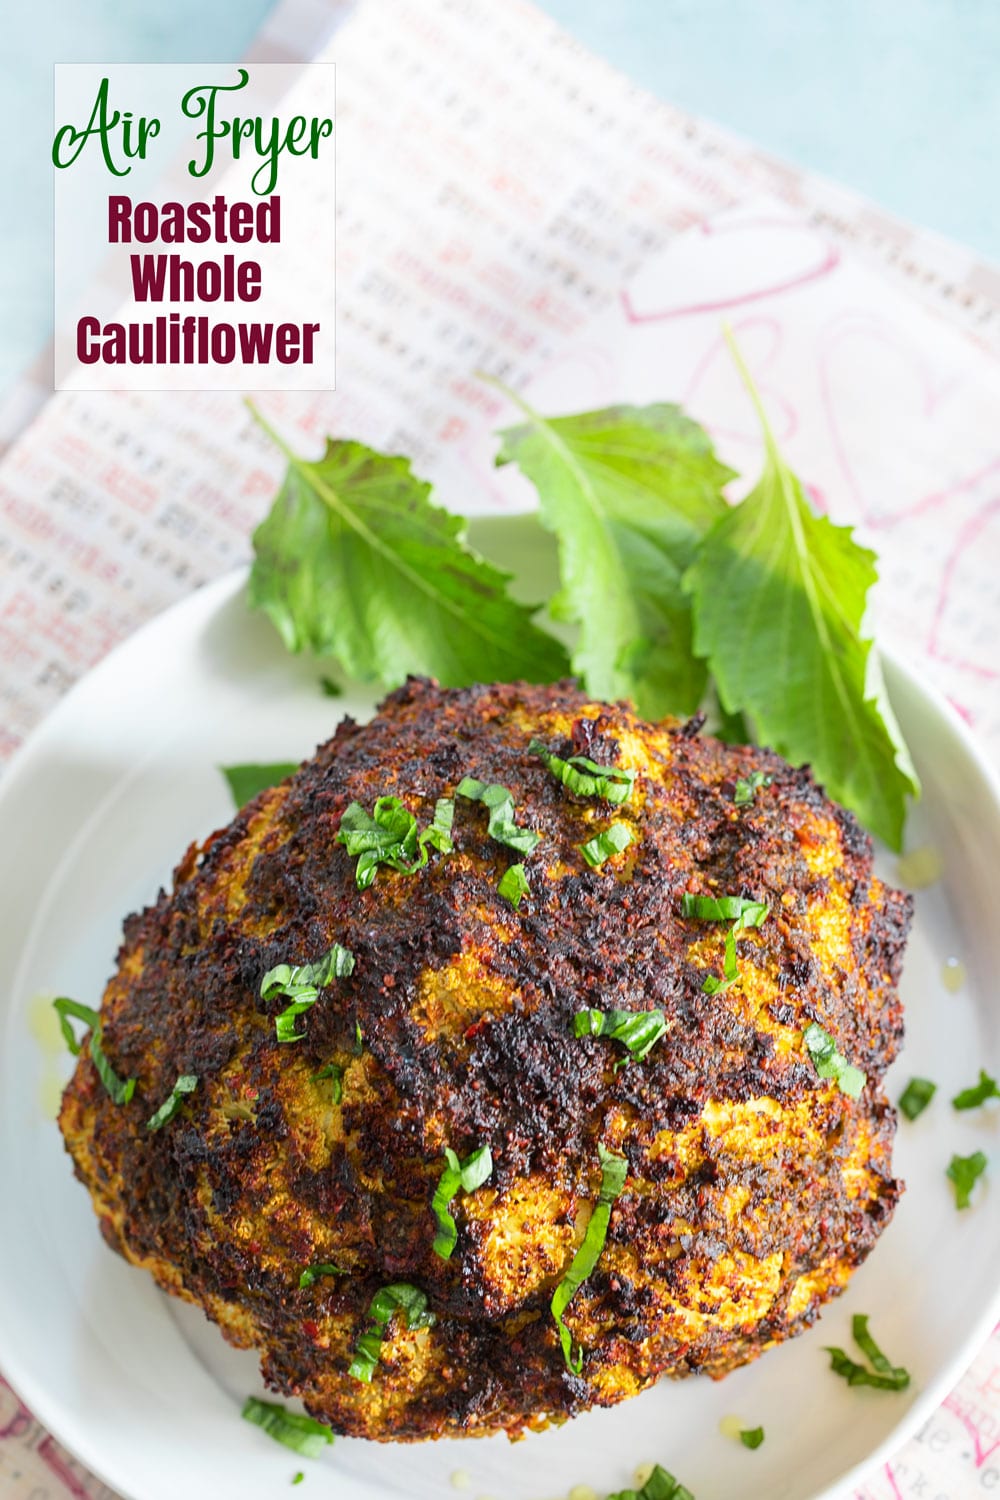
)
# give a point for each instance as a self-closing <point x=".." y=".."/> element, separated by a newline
<point x="754" y="1187"/>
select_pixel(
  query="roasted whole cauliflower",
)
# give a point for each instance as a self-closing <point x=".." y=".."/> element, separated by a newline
<point x="697" y="1182"/>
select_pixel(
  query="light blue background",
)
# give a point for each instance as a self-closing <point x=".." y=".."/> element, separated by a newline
<point x="897" y="98"/>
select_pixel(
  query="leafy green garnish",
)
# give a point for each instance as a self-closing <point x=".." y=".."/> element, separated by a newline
<point x="752" y="1437"/>
<point x="390" y="835"/>
<point x="614" y="1170"/>
<point x="724" y="909"/>
<point x="585" y="779"/>
<point x="629" y="492"/>
<point x="400" y="1297"/>
<point x="513" y="885"/>
<point x="973" y="1097"/>
<point x="186" y="1084"/>
<point x="353" y="561"/>
<point x="64" y="1008"/>
<point x="964" y="1172"/>
<point x="779" y="597"/>
<point x="467" y="1175"/>
<point x="301" y="983"/>
<point x="829" y="1063"/>
<point x="916" y="1096"/>
<point x="615" y="838"/>
<point x="500" y="804"/>
<point x="637" y="1030"/>
<point x="335" y="1073"/>
<point x="302" y="1434"/>
<point x="330" y="689"/>
<point x="119" y="1090"/>
<point x="245" y="781"/>
<point x="298" y="1478"/>
<point x="312" y="1274"/>
<point x="746" y="791"/>
<point x="736" y="909"/>
<point x="882" y="1376"/>
<point x="659" y="1486"/>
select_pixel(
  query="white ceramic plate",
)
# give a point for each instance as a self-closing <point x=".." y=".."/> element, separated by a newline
<point x="93" y="816"/>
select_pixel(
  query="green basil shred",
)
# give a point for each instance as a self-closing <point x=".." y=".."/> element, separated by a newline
<point x="829" y="1063"/>
<point x="513" y="885"/>
<point x="752" y="1437"/>
<point x="186" y="1084"/>
<point x="335" y="1073"/>
<point x="302" y="1434"/>
<point x="312" y="1274"/>
<point x="964" y="1172"/>
<point x="399" y="1297"/>
<point x="659" y="1486"/>
<point x="638" y="1031"/>
<point x="614" y="1170"/>
<point x="119" y="1090"/>
<point x="585" y="779"/>
<point x="499" y="802"/>
<point x="742" y="913"/>
<point x="390" y="835"/>
<point x="468" y="1175"/>
<point x="972" y="1098"/>
<point x="916" y="1096"/>
<point x="615" y="838"/>
<point x="301" y="984"/>
<point x="746" y="792"/>
<point x="882" y="1376"/>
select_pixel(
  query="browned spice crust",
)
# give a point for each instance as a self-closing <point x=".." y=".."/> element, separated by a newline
<point x="754" y="1187"/>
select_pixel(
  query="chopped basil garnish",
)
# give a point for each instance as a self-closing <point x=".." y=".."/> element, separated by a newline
<point x="742" y="913"/>
<point x="585" y="779"/>
<point x="247" y="780"/>
<point x="301" y="983"/>
<point x="725" y="909"/>
<point x="614" y="1170"/>
<point x="752" y="1437"/>
<point x="301" y="1434"/>
<point x="746" y="791"/>
<point x="500" y="805"/>
<point x="467" y="1175"/>
<point x="438" y="834"/>
<point x="330" y="688"/>
<point x="390" y="835"/>
<point x="335" y="1073"/>
<point x="186" y="1084"/>
<point x="883" y="1375"/>
<point x="964" y="1172"/>
<point x="359" y="1041"/>
<point x="829" y="1063"/>
<point x="972" y="1098"/>
<point x="659" y="1486"/>
<point x="916" y="1096"/>
<point x="119" y="1090"/>
<point x="637" y="1031"/>
<point x="65" y="1008"/>
<point x="399" y="1297"/>
<point x="312" y="1274"/>
<point x="603" y="845"/>
<point x="298" y="1478"/>
<point x="513" y="885"/>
